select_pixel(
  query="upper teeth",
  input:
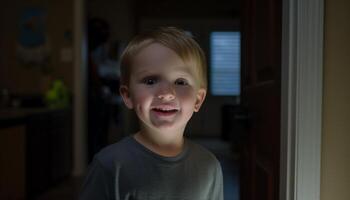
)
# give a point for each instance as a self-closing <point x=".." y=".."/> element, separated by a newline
<point x="165" y="109"/>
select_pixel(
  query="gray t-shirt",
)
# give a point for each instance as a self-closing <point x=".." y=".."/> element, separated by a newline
<point x="127" y="170"/>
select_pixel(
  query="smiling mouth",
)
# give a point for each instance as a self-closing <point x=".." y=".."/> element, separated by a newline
<point x="165" y="111"/>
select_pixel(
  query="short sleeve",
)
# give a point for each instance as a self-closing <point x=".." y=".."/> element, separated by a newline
<point x="98" y="183"/>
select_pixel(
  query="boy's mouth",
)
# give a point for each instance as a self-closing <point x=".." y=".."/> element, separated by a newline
<point x="165" y="110"/>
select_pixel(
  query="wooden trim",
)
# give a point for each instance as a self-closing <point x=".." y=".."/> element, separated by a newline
<point x="80" y="75"/>
<point x="302" y="68"/>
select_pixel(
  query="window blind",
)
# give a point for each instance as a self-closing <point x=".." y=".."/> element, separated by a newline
<point x="225" y="63"/>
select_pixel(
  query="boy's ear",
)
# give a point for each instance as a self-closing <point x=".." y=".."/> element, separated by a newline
<point x="125" y="93"/>
<point x="200" y="99"/>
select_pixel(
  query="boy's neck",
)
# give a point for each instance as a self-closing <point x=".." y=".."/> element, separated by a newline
<point x="164" y="146"/>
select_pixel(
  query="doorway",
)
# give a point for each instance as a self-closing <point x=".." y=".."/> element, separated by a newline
<point x="292" y="15"/>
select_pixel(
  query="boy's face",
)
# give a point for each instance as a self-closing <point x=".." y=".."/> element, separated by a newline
<point x="163" y="91"/>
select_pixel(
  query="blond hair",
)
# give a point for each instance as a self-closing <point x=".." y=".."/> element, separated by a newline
<point x="177" y="40"/>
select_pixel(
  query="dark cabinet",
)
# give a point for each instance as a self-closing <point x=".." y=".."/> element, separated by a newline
<point x="49" y="147"/>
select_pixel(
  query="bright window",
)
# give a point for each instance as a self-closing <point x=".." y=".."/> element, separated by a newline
<point x="225" y="52"/>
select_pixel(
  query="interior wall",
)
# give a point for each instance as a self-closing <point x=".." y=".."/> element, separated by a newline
<point x="117" y="13"/>
<point x="335" y="167"/>
<point x="21" y="80"/>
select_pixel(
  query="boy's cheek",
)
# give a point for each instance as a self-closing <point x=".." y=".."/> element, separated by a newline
<point x="140" y="98"/>
<point x="186" y="95"/>
<point x="185" y="91"/>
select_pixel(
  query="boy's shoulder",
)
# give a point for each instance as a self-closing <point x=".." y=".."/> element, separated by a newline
<point x="118" y="151"/>
<point x="201" y="153"/>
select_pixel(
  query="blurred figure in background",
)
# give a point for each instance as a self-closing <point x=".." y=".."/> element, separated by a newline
<point x="99" y="94"/>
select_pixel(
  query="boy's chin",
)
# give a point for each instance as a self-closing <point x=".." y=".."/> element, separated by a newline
<point x="166" y="126"/>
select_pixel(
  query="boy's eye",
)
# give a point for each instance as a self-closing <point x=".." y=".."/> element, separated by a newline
<point x="181" y="82"/>
<point x="149" y="81"/>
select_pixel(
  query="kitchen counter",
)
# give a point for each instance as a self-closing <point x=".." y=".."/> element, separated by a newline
<point x="35" y="150"/>
<point x="15" y="116"/>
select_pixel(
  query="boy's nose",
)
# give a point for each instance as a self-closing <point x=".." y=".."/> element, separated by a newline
<point x="166" y="93"/>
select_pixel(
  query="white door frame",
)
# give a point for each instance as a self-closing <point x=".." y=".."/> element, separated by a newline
<point x="301" y="123"/>
<point x="301" y="119"/>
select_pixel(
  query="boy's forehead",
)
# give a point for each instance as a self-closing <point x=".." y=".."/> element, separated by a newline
<point x="155" y="53"/>
<point x="170" y="70"/>
<point x="157" y="57"/>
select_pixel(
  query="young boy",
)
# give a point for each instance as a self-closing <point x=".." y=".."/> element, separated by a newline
<point x="163" y="79"/>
